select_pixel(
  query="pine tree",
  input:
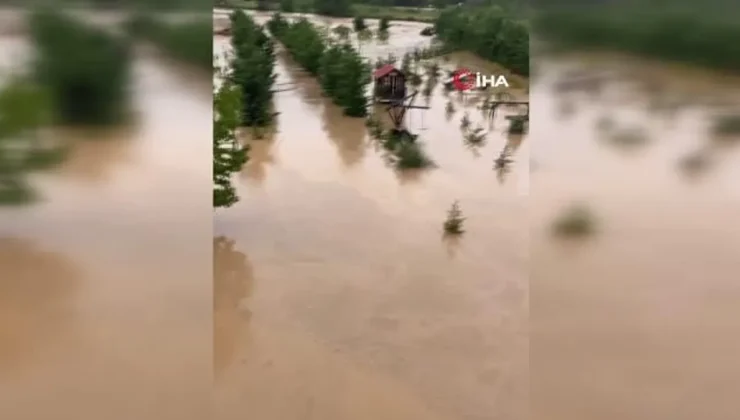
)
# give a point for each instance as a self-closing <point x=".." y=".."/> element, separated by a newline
<point x="229" y="156"/>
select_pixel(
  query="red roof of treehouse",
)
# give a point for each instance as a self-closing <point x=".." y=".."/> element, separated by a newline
<point x="383" y="71"/>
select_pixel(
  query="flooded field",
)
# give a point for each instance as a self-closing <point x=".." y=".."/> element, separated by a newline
<point x="641" y="320"/>
<point x="336" y="296"/>
<point x="105" y="284"/>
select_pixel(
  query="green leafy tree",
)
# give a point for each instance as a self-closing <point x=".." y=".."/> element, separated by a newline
<point x="229" y="156"/>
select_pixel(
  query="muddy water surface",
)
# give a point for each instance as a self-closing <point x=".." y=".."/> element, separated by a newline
<point x="337" y="297"/>
<point x="641" y="321"/>
<point x="105" y="284"/>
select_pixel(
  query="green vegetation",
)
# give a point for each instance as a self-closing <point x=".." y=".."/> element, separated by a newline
<point x="190" y="42"/>
<point x="518" y="124"/>
<point x="358" y="23"/>
<point x="679" y="34"/>
<point x="402" y="149"/>
<point x="341" y="71"/>
<point x="253" y="69"/>
<point x="453" y="225"/>
<point x="489" y="32"/>
<point x="384" y="24"/>
<point x="342" y="9"/>
<point x="229" y="156"/>
<point x="85" y="69"/>
<point x="24" y="109"/>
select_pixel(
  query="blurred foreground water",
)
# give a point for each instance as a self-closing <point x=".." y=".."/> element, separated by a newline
<point x="105" y="282"/>
<point x="640" y="319"/>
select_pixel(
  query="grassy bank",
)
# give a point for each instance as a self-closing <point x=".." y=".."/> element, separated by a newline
<point x="679" y="35"/>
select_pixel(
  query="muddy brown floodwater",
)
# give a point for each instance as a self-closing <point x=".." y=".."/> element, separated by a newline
<point x="642" y="321"/>
<point x="105" y="284"/>
<point x="336" y="296"/>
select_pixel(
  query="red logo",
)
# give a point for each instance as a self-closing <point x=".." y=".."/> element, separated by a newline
<point x="463" y="79"/>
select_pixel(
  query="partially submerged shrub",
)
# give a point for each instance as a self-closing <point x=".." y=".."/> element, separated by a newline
<point x="465" y="122"/>
<point x="727" y="126"/>
<point x="453" y="225"/>
<point x="577" y="221"/>
<point x="628" y="137"/>
<point x="518" y="124"/>
<point x="476" y="137"/>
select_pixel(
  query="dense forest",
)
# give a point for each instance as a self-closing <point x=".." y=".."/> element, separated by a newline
<point x="489" y="31"/>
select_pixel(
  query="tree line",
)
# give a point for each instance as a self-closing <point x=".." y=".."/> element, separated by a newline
<point x="253" y="69"/>
<point x="674" y="33"/>
<point x="490" y="32"/>
<point x="187" y="41"/>
<point x="342" y="72"/>
<point x="229" y="155"/>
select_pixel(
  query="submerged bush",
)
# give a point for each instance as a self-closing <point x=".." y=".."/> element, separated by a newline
<point x="453" y="225"/>
<point x="577" y="221"/>
<point x="85" y="69"/>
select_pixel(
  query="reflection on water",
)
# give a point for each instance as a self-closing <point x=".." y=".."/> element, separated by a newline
<point x="361" y="309"/>
<point x="232" y="279"/>
<point x="641" y="321"/>
<point x="129" y="208"/>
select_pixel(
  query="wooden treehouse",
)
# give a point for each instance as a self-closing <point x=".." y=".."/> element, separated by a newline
<point x="390" y="89"/>
<point x="390" y="84"/>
